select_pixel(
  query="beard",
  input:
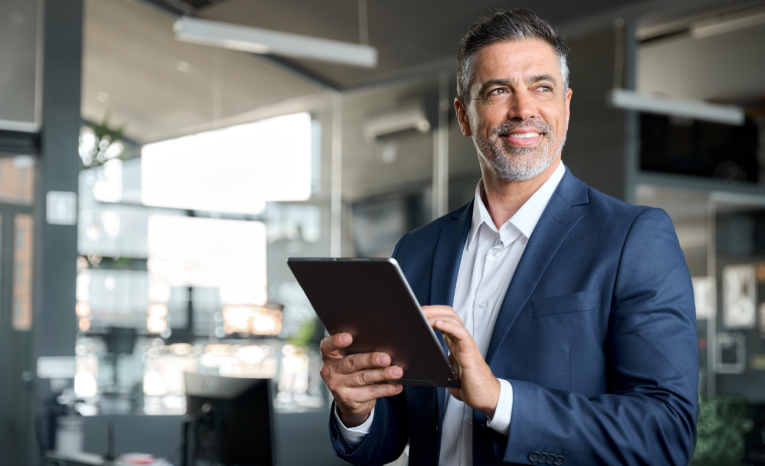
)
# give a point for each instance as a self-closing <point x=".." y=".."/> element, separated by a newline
<point x="519" y="163"/>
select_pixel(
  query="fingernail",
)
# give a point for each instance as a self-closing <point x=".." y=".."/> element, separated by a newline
<point x="397" y="372"/>
<point x="439" y="322"/>
<point x="345" y="338"/>
<point x="399" y="388"/>
<point x="382" y="359"/>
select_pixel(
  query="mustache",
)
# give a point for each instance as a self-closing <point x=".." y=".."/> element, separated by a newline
<point x="505" y="128"/>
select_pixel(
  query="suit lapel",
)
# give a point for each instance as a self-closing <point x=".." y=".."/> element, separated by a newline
<point x="446" y="265"/>
<point x="556" y="222"/>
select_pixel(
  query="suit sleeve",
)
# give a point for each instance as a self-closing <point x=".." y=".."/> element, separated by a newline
<point x="649" y="414"/>
<point x="388" y="434"/>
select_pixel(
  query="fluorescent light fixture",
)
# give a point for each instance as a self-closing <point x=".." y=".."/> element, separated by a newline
<point x="264" y="41"/>
<point x="228" y="254"/>
<point x="694" y="109"/>
<point x="720" y="26"/>
<point x="236" y="169"/>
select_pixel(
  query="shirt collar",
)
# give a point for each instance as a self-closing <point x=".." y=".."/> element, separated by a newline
<point x="524" y="221"/>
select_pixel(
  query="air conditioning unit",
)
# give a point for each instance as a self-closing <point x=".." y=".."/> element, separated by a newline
<point x="407" y="119"/>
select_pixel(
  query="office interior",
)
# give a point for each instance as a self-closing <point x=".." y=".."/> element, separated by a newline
<point x="156" y="175"/>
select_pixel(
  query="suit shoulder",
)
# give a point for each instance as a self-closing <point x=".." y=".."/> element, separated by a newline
<point x="608" y="206"/>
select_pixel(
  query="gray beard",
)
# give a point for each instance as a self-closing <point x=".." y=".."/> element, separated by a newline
<point x="519" y="163"/>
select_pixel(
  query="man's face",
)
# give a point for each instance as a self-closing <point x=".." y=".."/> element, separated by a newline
<point x="518" y="114"/>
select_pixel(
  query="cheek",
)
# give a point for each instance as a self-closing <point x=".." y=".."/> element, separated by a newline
<point x="556" y="117"/>
<point x="489" y="119"/>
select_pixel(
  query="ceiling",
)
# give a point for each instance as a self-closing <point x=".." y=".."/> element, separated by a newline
<point x="408" y="34"/>
<point x="135" y="71"/>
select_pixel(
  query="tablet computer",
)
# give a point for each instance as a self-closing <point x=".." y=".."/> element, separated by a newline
<point x="371" y="300"/>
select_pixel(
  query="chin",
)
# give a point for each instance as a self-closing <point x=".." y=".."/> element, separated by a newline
<point x="520" y="168"/>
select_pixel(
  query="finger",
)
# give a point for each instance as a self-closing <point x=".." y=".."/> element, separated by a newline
<point x="362" y="361"/>
<point x="454" y="330"/>
<point x="437" y="308"/>
<point x="439" y="311"/>
<point x="330" y="346"/>
<point x="432" y="320"/>
<point x="359" y="395"/>
<point x="434" y="311"/>
<point x="372" y="376"/>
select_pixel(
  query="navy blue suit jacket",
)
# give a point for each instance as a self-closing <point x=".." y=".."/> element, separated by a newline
<point x="597" y="335"/>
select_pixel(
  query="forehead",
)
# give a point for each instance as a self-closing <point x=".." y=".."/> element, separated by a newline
<point x="506" y="60"/>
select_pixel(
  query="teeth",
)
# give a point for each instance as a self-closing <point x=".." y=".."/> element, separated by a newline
<point x="524" y="135"/>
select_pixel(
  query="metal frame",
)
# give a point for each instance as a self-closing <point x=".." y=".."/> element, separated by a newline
<point x="15" y="382"/>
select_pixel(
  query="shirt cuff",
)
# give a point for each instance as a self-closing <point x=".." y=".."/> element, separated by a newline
<point x="353" y="436"/>
<point x="504" y="411"/>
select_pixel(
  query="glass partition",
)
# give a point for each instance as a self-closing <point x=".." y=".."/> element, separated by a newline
<point x="722" y="235"/>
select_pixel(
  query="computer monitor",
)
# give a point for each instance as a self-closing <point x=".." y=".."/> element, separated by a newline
<point x="230" y="420"/>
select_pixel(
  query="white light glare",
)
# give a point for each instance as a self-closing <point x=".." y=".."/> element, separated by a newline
<point x="235" y="169"/>
<point x="154" y="384"/>
<point x="228" y="254"/>
<point x="156" y="324"/>
<point x="252" y="319"/>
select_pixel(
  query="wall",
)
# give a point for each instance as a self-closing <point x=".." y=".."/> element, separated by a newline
<point x="595" y="148"/>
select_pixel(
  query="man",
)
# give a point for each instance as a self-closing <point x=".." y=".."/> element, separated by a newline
<point x="568" y="315"/>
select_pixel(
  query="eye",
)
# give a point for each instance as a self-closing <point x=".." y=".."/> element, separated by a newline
<point x="545" y="88"/>
<point x="498" y="91"/>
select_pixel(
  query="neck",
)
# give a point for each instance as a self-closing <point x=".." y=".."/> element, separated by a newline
<point x="503" y="198"/>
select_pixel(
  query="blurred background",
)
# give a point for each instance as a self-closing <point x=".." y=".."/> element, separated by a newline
<point x="161" y="159"/>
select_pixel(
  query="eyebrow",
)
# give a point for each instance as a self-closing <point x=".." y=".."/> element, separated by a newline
<point x="506" y="82"/>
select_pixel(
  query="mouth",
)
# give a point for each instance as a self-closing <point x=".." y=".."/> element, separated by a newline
<point x="523" y="137"/>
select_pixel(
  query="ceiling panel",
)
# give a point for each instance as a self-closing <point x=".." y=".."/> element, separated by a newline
<point x="135" y="70"/>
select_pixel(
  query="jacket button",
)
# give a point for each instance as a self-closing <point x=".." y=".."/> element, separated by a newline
<point x="551" y="458"/>
<point x="543" y="457"/>
<point x="559" y="460"/>
<point x="533" y="457"/>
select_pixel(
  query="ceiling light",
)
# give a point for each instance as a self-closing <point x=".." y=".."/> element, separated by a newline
<point x="713" y="27"/>
<point x="264" y="41"/>
<point x="694" y="109"/>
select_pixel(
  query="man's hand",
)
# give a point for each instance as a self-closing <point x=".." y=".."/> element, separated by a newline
<point x="479" y="389"/>
<point x="355" y="380"/>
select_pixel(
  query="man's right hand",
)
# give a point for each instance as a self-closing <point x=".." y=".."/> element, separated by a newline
<point x="355" y="380"/>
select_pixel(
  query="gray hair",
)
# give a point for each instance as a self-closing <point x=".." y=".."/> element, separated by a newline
<point x="504" y="25"/>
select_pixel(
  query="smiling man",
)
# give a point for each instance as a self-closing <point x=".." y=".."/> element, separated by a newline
<point x="567" y="314"/>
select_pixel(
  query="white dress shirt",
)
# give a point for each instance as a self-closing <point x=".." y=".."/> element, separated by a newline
<point x="488" y="264"/>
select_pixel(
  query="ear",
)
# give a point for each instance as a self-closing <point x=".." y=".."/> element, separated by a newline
<point x="568" y="105"/>
<point x="462" y="117"/>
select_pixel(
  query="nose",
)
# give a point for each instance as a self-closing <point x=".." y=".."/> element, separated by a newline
<point x="521" y="106"/>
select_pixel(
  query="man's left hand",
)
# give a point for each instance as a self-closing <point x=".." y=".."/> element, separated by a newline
<point x="479" y="389"/>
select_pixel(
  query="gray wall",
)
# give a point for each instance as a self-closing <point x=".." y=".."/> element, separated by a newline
<point x="595" y="148"/>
